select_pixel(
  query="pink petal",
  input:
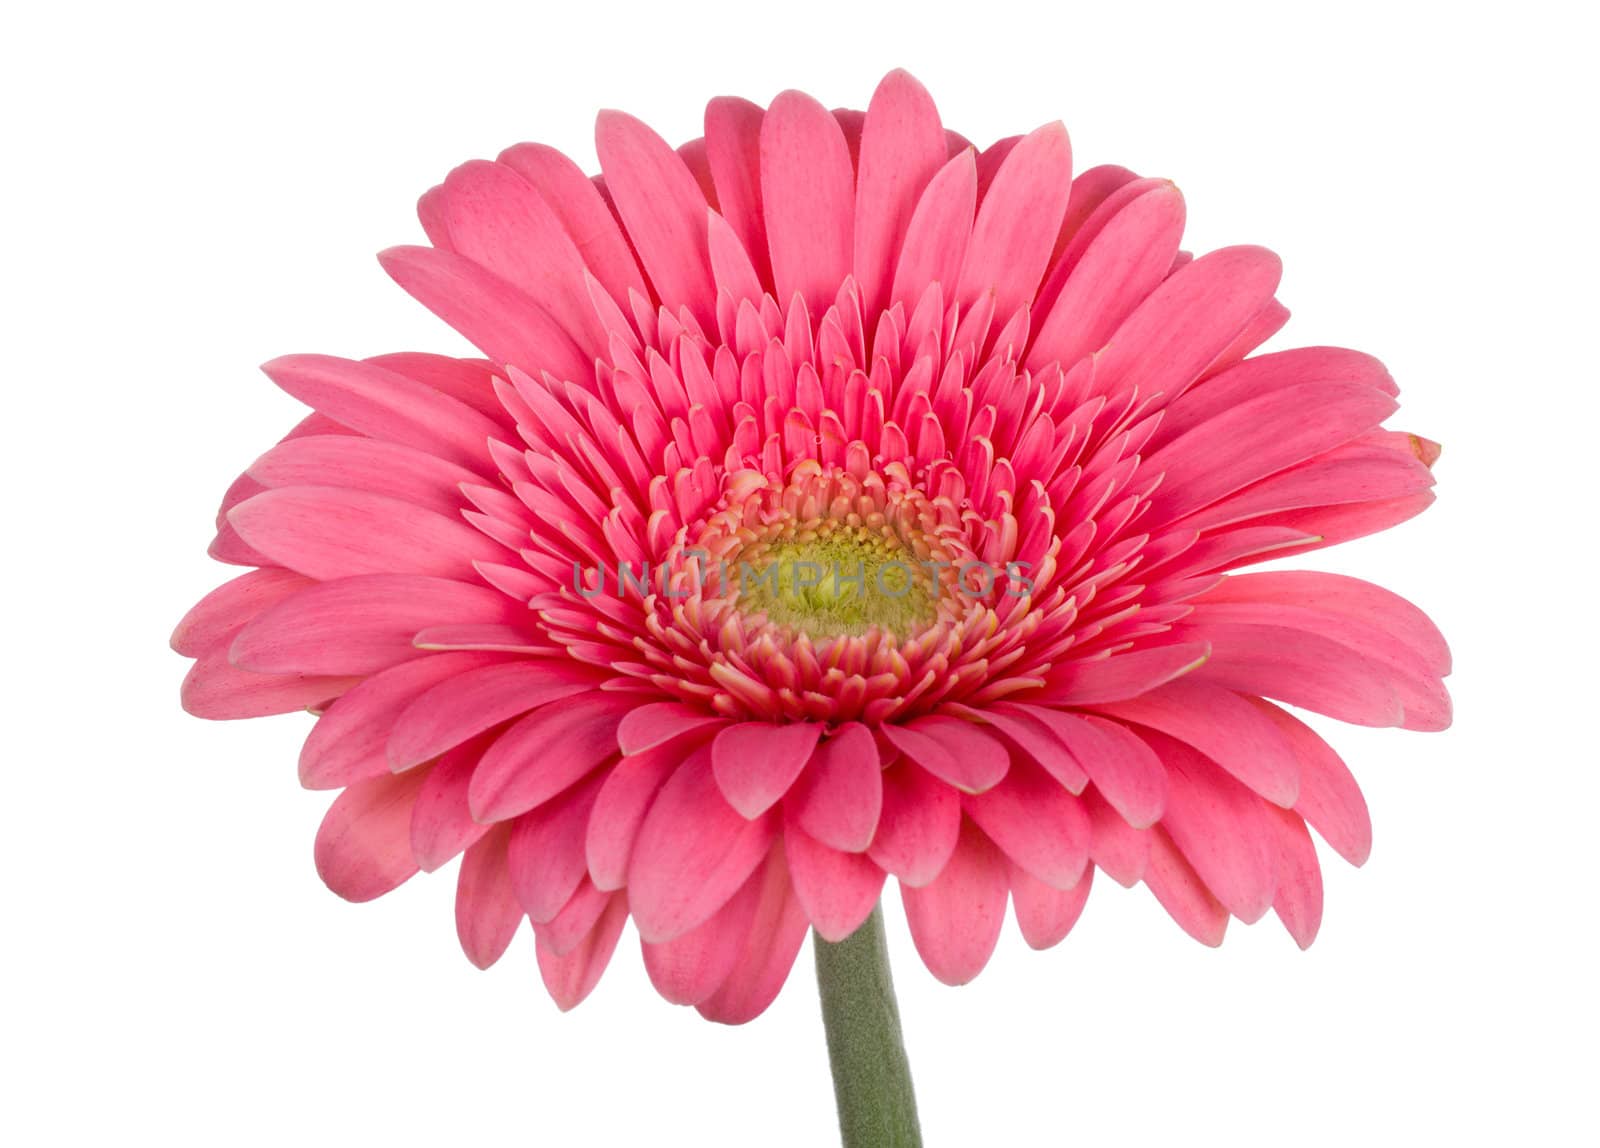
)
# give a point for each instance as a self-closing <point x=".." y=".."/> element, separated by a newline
<point x="324" y="532"/>
<point x="1329" y="798"/>
<point x="455" y="710"/>
<point x="1186" y="322"/>
<point x="347" y="743"/>
<point x="216" y="618"/>
<point x="937" y="237"/>
<point x="733" y="153"/>
<point x="487" y="912"/>
<point x="1114" y="845"/>
<point x="657" y="723"/>
<point x="1036" y="823"/>
<point x="953" y="750"/>
<point x="578" y="916"/>
<point x="690" y="967"/>
<point x="1297" y="666"/>
<point x="1298" y="900"/>
<point x="359" y="625"/>
<point x="582" y="211"/>
<point x="629" y="789"/>
<point x="1033" y="738"/>
<point x="545" y="853"/>
<point x="692" y="853"/>
<point x="1224" y="727"/>
<point x="1182" y="894"/>
<point x="1123" y="676"/>
<point x="1259" y="437"/>
<point x="1220" y="828"/>
<point x="357" y="463"/>
<point x="663" y="209"/>
<point x="755" y="763"/>
<point x="386" y="405"/>
<point x="497" y="220"/>
<point x="1044" y="914"/>
<point x="442" y="824"/>
<point x="217" y="690"/>
<point x="836" y="889"/>
<point x="570" y="977"/>
<point x="775" y="937"/>
<point x="808" y="198"/>
<point x="840" y="795"/>
<point x="545" y="752"/>
<point x="498" y="319"/>
<point x="955" y="920"/>
<point x="1018" y="221"/>
<point x="1124" y="262"/>
<point x="918" y="827"/>
<point x="902" y="147"/>
<point x="363" y="846"/>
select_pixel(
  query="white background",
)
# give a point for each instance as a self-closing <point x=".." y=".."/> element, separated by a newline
<point x="192" y="190"/>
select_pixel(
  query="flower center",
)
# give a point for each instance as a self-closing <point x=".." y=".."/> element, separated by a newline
<point x="828" y="554"/>
<point x="840" y="579"/>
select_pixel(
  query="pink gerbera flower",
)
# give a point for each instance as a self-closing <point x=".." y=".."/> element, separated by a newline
<point x="833" y="502"/>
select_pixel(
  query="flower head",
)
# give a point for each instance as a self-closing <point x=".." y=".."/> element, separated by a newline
<point x="833" y="502"/>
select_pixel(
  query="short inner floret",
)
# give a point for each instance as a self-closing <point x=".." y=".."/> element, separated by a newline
<point x="837" y="579"/>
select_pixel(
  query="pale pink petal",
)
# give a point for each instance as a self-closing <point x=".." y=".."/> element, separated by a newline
<point x="619" y="810"/>
<point x="657" y="723"/>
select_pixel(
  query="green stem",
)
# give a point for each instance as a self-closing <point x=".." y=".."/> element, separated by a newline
<point x="871" y="1075"/>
